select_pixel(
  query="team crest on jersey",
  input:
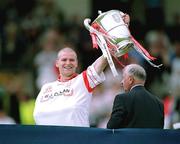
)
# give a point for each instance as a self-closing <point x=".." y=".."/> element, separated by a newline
<point x="62" y="92"/>
<point x="48" y="90"/>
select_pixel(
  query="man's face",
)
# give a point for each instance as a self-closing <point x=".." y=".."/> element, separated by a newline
<point x="127" y="81"/>
<point x="67" y="63"/>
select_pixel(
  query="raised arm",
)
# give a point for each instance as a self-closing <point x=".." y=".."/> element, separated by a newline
<point x="100" y="64"/>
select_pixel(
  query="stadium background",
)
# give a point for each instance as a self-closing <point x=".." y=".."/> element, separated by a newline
<point x="27" y="28"/>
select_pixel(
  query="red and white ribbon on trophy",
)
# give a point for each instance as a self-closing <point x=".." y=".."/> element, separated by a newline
<point x="111" y="34"/>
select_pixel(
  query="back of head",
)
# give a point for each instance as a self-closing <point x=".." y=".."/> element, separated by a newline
<point x="137" y="72"/>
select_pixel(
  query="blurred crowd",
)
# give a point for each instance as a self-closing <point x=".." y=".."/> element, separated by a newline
<point x="30" y="37"/>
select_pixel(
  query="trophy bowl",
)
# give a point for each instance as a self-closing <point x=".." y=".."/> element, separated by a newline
<point x="115" y="31"/>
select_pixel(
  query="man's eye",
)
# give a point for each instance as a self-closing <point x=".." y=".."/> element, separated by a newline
<point x="72" y="60"/>
<point x="63" y="59"/>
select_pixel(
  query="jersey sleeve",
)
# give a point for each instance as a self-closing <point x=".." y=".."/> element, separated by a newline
<point x="91" y="78"/>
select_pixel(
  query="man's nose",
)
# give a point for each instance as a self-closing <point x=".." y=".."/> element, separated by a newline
<point x="68" y="62"/>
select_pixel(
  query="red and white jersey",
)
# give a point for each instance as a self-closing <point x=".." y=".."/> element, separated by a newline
<point x="67" y="103"/>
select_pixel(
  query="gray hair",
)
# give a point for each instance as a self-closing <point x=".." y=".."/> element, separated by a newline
<point x="137" y="71"/>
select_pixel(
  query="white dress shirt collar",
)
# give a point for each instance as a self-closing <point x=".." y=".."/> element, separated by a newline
<point x="136" y="86"/>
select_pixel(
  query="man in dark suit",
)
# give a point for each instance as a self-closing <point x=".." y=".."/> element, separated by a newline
<point x="137" y="107"/>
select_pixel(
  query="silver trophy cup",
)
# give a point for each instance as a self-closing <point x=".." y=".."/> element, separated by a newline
<point x="111" y="34"/>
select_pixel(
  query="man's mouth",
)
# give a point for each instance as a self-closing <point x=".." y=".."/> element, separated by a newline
<point x="68" y="67"/>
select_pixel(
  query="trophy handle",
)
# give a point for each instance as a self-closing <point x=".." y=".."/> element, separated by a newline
<point x="93" y="30"/>
<point x="103" y="46"/>
<point x="86" y="23"/>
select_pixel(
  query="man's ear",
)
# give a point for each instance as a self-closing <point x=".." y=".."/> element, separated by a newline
<point x="77" y="64"/>
<point x="131" y="79"/>
<point x="56" y="63"/>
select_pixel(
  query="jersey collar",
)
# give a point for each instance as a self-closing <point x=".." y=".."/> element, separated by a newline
<point x="73" y="76"/>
